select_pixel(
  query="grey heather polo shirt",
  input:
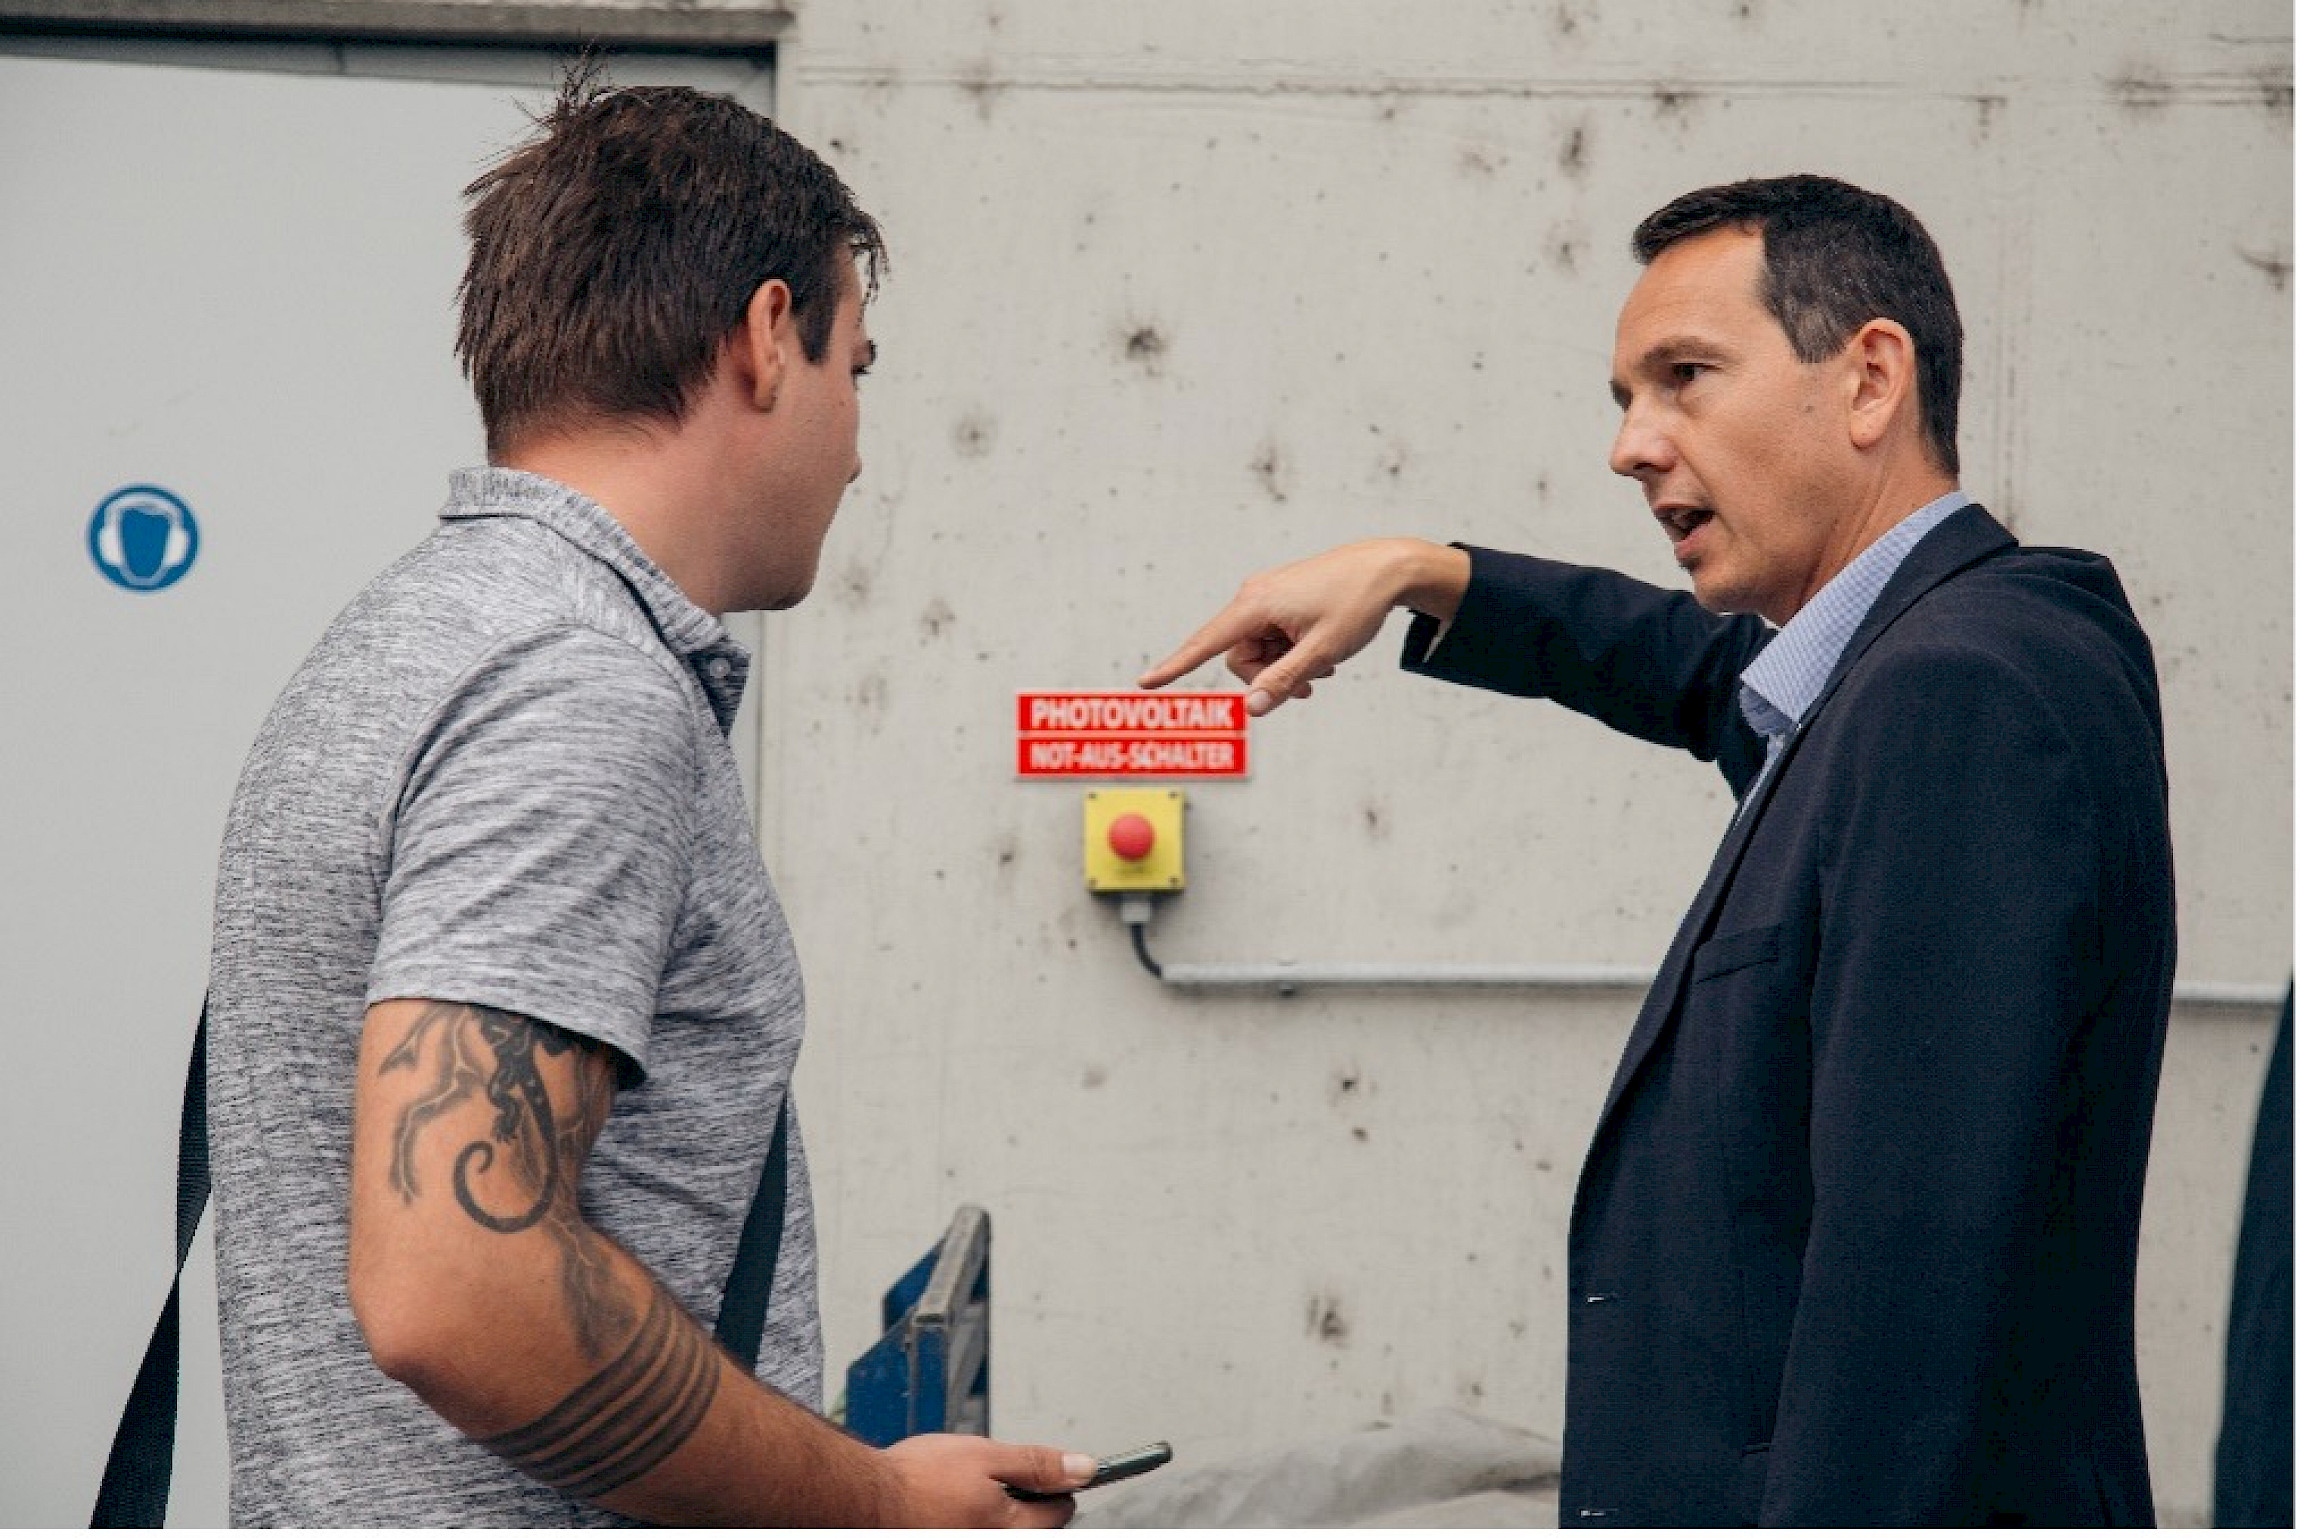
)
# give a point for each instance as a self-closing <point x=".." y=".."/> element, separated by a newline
<point x="501" y="778"/>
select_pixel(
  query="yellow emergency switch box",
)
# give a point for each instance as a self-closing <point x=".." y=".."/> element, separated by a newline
<point x="1134" y="841"/>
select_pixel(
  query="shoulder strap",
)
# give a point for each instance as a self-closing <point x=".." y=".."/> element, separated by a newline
<point x="743" y="1311"/>
<point x="135" y="1488"/>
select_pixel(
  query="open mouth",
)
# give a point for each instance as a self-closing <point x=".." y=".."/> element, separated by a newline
<point x="1682" y="521"/>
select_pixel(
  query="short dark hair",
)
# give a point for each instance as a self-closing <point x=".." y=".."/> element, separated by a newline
<point x="614" y="252"/>
<point x="1836" y="258"/>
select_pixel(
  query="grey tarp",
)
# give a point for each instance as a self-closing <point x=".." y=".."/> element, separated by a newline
<point x="1439" y="1468"/>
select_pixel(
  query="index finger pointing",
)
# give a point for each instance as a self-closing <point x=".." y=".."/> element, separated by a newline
<point x="1211" y="639"/>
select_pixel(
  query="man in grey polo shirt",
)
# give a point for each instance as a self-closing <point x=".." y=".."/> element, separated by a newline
<point x="504" y="1010"/>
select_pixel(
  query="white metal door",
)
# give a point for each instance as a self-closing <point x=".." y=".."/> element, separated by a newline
<point x="229" y="280"/>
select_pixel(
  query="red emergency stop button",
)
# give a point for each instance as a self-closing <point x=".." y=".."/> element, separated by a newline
<point x="1132" y="836"/>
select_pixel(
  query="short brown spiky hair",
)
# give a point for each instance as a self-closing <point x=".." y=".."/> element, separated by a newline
<point x="614" y="252"/>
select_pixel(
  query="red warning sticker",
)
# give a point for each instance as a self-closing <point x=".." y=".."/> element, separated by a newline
<point x="1117" y="735"/>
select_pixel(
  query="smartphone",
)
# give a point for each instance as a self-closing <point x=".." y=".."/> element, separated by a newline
<point x="1107" y="1472"/>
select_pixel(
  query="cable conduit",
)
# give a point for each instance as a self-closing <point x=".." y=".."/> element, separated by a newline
<point x="1288" y="977"/>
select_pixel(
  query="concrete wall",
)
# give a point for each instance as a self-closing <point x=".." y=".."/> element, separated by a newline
<point x="1180" y="290"/>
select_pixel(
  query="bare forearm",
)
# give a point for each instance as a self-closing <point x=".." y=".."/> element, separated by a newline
<point x="673" y="1431"/>
<point x="666" y="1428"/>
<point x="480" y="1284"/>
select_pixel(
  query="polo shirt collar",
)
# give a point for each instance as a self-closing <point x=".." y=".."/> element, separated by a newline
<point x="720" y="663"/>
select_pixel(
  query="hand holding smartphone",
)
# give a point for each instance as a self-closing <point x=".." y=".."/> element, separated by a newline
<point x="1107" y="1472"/>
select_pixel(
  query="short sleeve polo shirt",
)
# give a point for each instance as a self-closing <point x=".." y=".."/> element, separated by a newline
<point x="501" y="778"/>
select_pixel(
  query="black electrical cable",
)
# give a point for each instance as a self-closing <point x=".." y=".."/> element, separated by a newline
<point x="1141" y="929"/>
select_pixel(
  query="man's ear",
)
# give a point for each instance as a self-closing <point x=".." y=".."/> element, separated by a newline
<point x="1883" y="380"/>
<point x="763" y="341"/>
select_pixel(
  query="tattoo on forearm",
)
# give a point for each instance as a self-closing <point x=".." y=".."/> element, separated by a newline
<point x="629" y="1416"/>
<point x="543" y="1155"/>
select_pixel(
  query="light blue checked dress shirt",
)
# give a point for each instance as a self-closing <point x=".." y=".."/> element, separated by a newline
<point x="1781" y="685"/>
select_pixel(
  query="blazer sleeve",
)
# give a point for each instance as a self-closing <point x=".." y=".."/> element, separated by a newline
<point x="1957" y="966"/>
<point x="1644" y="660"/>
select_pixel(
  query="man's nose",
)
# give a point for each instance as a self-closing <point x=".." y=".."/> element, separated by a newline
<point x="1639" y="448"/>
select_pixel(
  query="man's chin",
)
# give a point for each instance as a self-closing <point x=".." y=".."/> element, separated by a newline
<point x="788" y="594"/>
<point x="1706" y="593"/>
<point x="1717" y="596"/>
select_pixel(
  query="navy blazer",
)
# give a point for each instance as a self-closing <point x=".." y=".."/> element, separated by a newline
<point x="1855" y="1239"/>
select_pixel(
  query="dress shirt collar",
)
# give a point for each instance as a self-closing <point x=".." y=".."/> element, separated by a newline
<point x="1780" y="686"/>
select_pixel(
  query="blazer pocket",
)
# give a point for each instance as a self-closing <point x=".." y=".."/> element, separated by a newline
<point x="1749" y="1484"/>
<point x="1730" y="953"/>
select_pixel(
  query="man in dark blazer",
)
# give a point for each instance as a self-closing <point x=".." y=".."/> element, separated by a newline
<point x="1855" y="1239"/>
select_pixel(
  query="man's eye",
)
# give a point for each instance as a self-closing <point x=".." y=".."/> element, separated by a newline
<point x="1686" y="373"/>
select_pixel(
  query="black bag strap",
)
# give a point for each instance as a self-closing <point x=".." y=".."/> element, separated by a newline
<point x="135" y="1488"/>
<point x="134" y="1492"/>
<point x="743" y="1311"/>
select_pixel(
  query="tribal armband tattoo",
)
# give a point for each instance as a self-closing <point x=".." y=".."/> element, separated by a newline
<point x="626" y="1418"/>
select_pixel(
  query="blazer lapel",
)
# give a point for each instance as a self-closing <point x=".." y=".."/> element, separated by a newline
<point x="1966" y="536"/>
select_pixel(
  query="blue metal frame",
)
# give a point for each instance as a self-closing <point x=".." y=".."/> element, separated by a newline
<point x="930" y="1371"/>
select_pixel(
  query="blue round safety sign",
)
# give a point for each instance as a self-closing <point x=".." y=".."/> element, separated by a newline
<point x="143" y="538"/>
